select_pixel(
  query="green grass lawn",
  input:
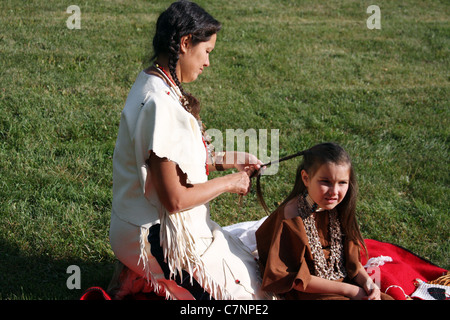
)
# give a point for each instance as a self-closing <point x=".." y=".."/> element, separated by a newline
<point x="311" y="69"/>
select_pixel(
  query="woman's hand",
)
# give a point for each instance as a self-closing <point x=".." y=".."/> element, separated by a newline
<point x="242" y="161"/>
<point x="239" y="182"/>
<point x="246" y="162"/>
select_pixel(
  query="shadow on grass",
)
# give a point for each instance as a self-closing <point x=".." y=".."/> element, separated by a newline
<point x="28" y="277"/>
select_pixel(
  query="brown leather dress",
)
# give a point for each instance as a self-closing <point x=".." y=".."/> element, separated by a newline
<point x="286" y="259"/>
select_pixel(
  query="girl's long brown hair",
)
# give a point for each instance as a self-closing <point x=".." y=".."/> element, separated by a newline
<point x="313" y="158"/>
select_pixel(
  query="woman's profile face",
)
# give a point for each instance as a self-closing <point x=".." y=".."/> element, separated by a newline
<point x="193" y="58"/>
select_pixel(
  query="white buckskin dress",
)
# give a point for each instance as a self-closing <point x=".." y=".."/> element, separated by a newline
<point x="153" y="119"/>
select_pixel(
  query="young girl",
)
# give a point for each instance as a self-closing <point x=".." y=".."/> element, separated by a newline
<point x="309" y="247"/>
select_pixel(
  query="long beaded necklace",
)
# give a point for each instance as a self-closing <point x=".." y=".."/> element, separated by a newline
<point x="332" y="269"/>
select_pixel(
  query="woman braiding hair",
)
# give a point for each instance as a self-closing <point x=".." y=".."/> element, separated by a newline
<point x="161" y="228"/>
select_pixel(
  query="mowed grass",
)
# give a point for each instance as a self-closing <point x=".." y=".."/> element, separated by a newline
<point x="314" y="71"/>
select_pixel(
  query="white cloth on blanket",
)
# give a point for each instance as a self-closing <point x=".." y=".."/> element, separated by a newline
<point x="245" y="232"/>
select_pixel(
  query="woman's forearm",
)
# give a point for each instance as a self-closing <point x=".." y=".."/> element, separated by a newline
<point x="220" y="162"/>
<point x="190" y="196"/>
<point x="177" y="195"/>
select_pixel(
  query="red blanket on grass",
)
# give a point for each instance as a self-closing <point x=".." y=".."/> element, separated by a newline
<point x="397" y="277"/>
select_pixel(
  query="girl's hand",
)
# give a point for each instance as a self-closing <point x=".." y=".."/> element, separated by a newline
<point x="355" y="292"/>
<point x="372" y="291"/>
<point x="375" y="295"/>
<point x="361" y="295"/>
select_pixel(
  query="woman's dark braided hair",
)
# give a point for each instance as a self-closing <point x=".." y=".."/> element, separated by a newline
<point x="182" y="18"/>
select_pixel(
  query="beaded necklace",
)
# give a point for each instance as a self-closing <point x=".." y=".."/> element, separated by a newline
<point x="172" y="83"/>
<point x="333" y="268"/>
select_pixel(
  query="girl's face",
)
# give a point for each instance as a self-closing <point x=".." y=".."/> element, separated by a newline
<point x="193" y="58"/>
<point x="329" y="185"/>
